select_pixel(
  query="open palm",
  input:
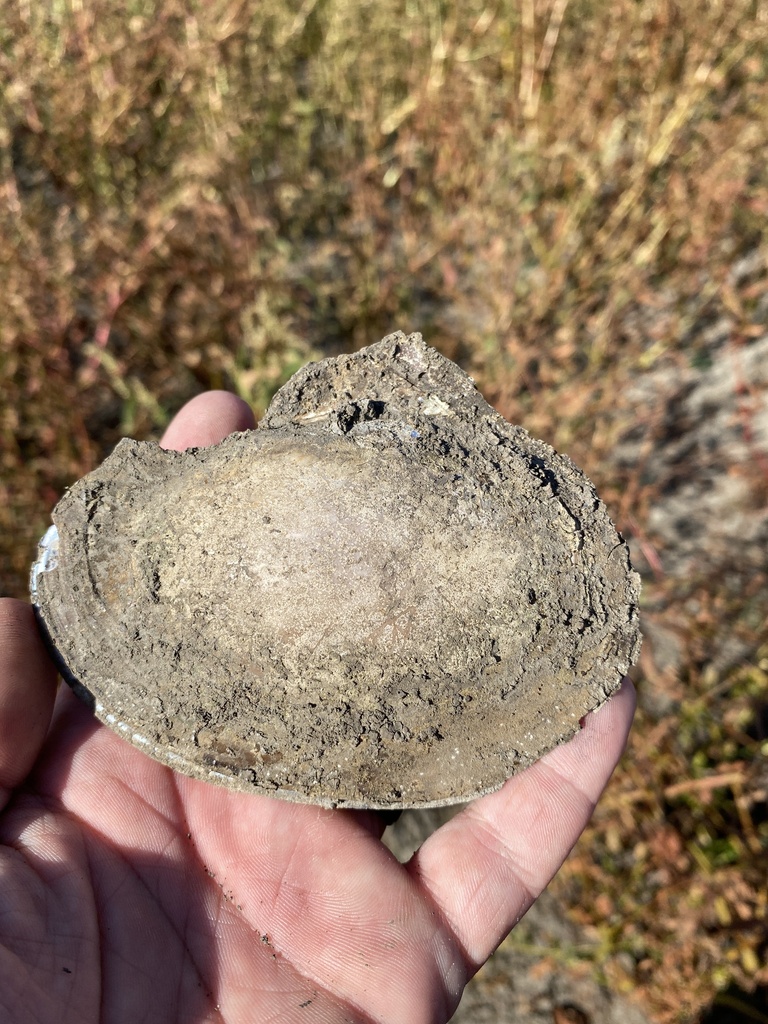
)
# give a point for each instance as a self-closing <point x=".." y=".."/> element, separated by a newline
<point x="129" y="893"/>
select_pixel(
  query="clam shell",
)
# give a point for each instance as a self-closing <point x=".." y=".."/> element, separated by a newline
<point x="386" y="596"/>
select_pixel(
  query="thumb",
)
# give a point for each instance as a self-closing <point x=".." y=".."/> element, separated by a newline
<point x="27" y="691"/>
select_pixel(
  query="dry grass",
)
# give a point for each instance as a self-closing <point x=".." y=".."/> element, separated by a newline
<point x="200" y="195"/>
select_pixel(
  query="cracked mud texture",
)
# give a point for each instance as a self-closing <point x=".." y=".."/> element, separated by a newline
<point x="385" y="596"/>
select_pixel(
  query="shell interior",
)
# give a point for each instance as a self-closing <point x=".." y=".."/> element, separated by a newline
<point x="386" y="596"/>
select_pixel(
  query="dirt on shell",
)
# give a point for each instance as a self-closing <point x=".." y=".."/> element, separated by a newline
<point x="385" y="596"/>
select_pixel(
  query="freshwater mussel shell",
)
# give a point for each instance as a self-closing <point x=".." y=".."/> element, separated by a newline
<point x="386" y="596"/>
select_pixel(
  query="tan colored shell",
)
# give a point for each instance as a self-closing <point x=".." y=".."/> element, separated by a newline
<point x="386" y="596"/>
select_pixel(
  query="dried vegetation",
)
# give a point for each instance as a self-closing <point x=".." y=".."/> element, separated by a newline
<point x="199" y="195"/>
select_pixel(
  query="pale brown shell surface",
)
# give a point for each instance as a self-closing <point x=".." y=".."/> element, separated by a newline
<point x="386" y="596"/>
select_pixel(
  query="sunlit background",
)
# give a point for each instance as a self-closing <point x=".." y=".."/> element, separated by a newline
<point x="571" y="200"/>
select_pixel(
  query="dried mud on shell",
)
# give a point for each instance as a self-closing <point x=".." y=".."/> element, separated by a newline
<point x="385" y="596"/>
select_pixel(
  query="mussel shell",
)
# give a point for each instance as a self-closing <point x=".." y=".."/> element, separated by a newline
<point x="386" y="596"/>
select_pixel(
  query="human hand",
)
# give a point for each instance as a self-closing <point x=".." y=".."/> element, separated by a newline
<point x="129" y="893"/>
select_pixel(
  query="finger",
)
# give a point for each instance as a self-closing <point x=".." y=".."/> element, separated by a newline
<point x="484" y="868"/>
<point x="207" y="419"/>
<point x="27" y="691"/>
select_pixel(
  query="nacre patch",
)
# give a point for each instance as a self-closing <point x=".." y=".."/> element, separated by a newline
<point x="385" y="596"/>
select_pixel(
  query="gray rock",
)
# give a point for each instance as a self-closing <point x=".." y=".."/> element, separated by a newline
<point x="385" y="596"/>
<point x="709" y="461"/>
